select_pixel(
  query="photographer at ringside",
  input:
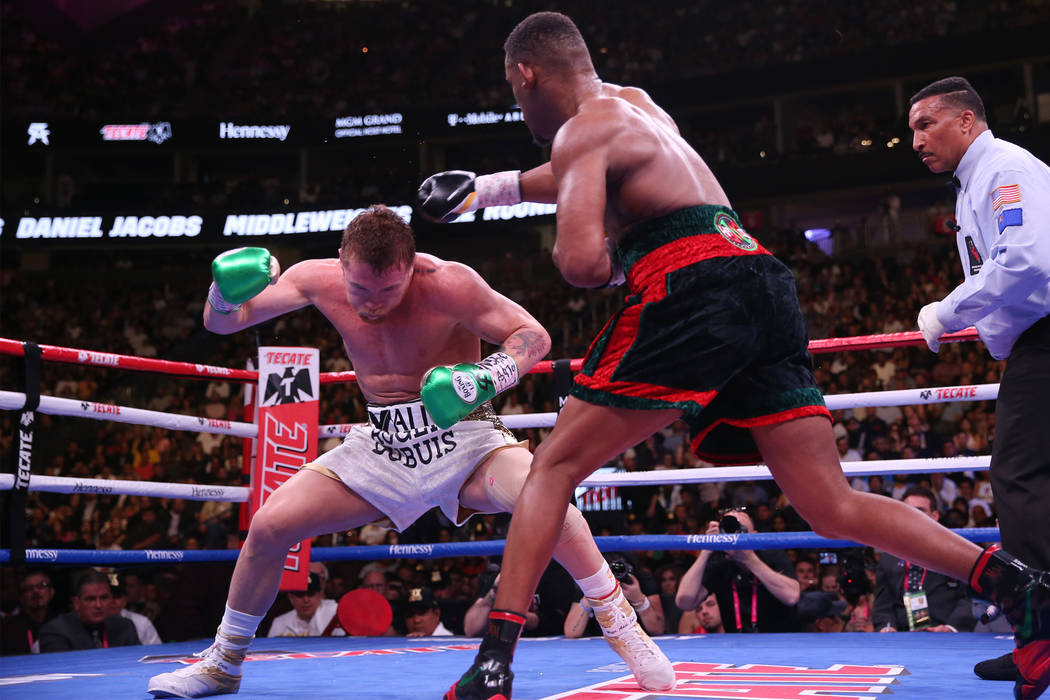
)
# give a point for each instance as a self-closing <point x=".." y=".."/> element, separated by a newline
<point x="756" y="591"/>
<point x="855" y="585"/>
<point x="545" y="617"/>
<point x="639" y="587"/>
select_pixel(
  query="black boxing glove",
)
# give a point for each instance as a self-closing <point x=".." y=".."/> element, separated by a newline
<point x="444" y="196"/>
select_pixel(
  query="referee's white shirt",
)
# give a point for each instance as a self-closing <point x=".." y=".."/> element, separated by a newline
<point x="1004" y="245"/>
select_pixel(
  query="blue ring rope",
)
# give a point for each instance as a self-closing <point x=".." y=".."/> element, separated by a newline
<point x="438" y="550"/>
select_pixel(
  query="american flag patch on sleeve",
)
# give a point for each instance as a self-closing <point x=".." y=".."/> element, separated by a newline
<point x="1005" y="194"/>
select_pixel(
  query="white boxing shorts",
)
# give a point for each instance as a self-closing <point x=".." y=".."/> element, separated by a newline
<point x="404" y="465"/>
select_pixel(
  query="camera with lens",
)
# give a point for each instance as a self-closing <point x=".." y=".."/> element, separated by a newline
<point x="487" y="579"/>
<point x="853" y="579"/>
<point x="730" y="525"/>
<point x="621" y="569"/>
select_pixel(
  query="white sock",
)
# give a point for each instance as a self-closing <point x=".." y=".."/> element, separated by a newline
<point x="600" y="584"/>
<point x="238" y="624"/>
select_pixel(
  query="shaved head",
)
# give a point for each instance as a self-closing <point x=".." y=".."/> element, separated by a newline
<point x="548" y="39"/>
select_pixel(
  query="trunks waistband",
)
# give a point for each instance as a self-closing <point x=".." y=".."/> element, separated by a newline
<point x="717" y="230"/>
<point x="412" y="415"/>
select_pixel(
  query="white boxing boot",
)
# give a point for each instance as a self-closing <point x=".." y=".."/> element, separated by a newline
<point x="619" y="623"/>
<point x="217" y="673"/>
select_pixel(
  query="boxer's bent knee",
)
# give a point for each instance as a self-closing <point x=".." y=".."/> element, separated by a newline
<point x="272" y="528"/>
<point x="555" y="463"/>
<point x="838" y="518"/>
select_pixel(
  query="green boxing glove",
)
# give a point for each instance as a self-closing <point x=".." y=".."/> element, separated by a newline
<point x="239" y="275"/>
<point x="451" y="393"/>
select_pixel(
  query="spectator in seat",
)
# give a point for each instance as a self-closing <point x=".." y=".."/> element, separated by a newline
<point x="90" y="625"/>
<point x="706" y="619"/>
<point x="20" y="629"/>
<point x="312" y="614"/>
<point x="909" y="597"/>
<point x="423" y="614"/>
<point x="143" y="627"/>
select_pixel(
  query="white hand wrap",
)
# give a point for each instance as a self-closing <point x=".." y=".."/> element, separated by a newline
<point x="503" y="368"/>
<point x="218" y="302"/>
<point x="498" y="189"/>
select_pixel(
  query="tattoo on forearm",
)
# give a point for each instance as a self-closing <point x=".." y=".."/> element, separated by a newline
<point x="527" y="344"/>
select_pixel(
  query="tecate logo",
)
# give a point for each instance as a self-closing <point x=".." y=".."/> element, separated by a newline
<point x="158" y="132"/>
<point x="208" y="369"/>
<point x="98" y="358"/>
<point x="956" y="392"/>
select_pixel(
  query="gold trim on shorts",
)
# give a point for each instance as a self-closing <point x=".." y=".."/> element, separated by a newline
<point x="323" y="470"/>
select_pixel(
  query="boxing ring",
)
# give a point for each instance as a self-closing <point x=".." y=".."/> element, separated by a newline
<point x="755" y="666"/>
<point x="852" y="665"/>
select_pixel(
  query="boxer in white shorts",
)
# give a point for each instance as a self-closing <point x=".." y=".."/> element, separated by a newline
<point x="402" y="316"/>
<point x="404" y="465"/>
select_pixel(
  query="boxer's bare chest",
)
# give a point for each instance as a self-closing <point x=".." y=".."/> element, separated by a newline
<point x="391" y="355"/>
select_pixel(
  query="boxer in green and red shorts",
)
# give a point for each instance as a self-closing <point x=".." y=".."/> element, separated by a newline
<point x="712" y="333"/>
<point x="712" y="328"/>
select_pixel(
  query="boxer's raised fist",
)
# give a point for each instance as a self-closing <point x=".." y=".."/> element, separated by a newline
<point x="239" y="275"/>
<point x="444" y="196"/>
<point x="451" y="393"/>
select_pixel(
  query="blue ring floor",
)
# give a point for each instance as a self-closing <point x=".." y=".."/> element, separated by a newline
<point x="754" y="666"/>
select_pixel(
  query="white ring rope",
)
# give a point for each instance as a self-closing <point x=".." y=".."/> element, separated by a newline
<point x="11" y="400"/>
<point x="911" y="397"/>
<point x="53" y="405"/>
<point x="659" y="477"/>
<point x="125" y="487"/>
<point x="835" y="402"/>
<point x="757" y="471"/>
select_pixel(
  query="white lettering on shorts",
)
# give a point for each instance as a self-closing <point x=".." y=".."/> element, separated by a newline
<point x="412" y="455"/>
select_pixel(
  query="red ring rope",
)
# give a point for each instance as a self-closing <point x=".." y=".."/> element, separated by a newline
<point x="96" y="358"/>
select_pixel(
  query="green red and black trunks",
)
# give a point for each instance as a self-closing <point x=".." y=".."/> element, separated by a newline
<point x="712" y="327"/>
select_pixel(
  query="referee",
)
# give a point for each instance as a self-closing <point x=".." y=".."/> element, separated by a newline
<point x="1002" y="216"/>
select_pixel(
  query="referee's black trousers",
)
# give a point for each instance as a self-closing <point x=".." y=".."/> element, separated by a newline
<point x="1020" y="471"/>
